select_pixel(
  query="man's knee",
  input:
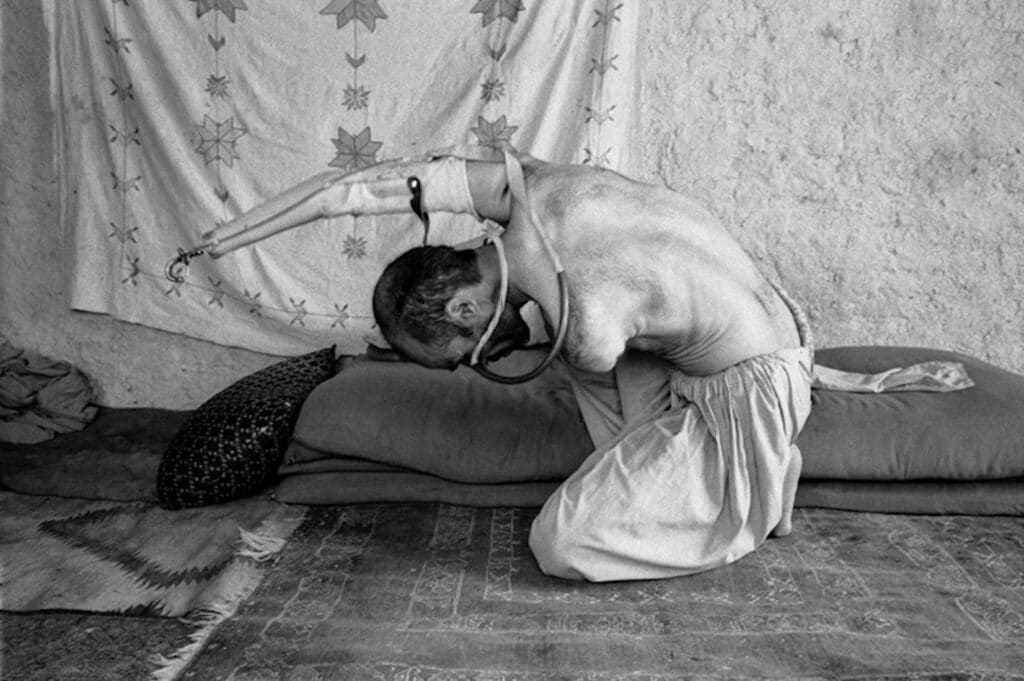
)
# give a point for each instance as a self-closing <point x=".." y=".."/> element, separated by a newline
<point x="552" y="545"/>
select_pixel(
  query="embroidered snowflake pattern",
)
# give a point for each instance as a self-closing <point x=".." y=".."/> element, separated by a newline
<point x="217" y="86"/>
<point x="354" y="151"/>
<point x="366" y="11"/>
<point x="496" y="134"/>
<point x="217" y="140"/>
<point x="492" y="10"/>
<point x="225" y="7"/>
<point x="355" y="97"/>
<point x="492" y="90"/>
<point x="354" y="247"/>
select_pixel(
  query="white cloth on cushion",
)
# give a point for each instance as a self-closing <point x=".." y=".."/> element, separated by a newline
<point x="935" y="376"/>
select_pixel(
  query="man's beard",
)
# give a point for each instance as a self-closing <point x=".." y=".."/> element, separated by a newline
<point x="512" y="333"/>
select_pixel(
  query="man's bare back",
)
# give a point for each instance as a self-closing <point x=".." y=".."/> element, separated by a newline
<point x="648" y="270"/>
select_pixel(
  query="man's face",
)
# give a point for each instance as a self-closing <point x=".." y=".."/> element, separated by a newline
<point x="512" y="333"/>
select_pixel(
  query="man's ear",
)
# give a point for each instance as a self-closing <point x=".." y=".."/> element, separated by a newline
<point x="462" y="310"/>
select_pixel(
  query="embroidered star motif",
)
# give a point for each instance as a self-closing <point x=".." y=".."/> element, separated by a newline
<point x="496" y="134"/>
<point x="607" y="17"/>
<point x="123" y="234"/>
<point x="366" y="11"/>
<point x="217" y="140"/>
<point x="255" y="306"/>
<point x="225" y="7"/>
<point x="342" y="316"/>
<point x="600" y="116"/>
<point x="355" y="97"/>
<point x="218" y="293"/>
<point x="355" y="247"/>
<point x="603" y="65"/>
<point x="123" y="90"/>
<point x="492" y="10"/>
<point x="133" y="275"/>
<point x="116" y="44"/>
<point x="217" y="86"/>
<point x="492" y="90"/>
<point x="300" y="312"/>
<point x="125" y="137"/>
<point x="600" y="160"/>
<point x="125" y="184"/>
<point x="354" y="152"/>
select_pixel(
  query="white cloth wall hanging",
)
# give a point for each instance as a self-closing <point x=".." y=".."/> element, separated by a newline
<point x="174" y="116"/>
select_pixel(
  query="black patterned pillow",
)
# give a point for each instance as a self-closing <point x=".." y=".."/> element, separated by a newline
<point x="231" y="446"/>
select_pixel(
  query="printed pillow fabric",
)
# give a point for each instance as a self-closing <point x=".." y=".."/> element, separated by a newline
<point x="232" y="445"/>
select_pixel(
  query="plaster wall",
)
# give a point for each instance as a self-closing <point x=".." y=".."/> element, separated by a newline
<point x="868" y="154"/>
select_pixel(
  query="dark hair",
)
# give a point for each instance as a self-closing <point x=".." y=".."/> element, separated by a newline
<point x="411" y="294"/>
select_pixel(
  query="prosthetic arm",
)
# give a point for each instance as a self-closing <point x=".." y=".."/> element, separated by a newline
<point x="432" y="184"/>
<point x="388" y="188"/>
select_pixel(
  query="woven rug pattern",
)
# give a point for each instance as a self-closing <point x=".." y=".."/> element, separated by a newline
<point x="426" y="592"/>
<point x="130" y="558"/>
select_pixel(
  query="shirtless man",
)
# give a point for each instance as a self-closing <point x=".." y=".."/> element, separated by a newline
<point x="695" y="487"/>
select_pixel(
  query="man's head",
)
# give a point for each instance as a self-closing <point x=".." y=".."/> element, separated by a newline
<point x="433" y="303"/>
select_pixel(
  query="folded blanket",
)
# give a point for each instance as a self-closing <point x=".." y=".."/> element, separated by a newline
<point x="40" y="397"/>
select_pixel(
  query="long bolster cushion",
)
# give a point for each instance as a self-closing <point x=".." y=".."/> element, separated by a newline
<point x="456" y="427"/>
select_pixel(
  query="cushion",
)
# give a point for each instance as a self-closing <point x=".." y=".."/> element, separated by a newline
<point x="231" y="446"/>
<point x="990" y="497"/>
<point x="456" y="425"/>
<point x="972" y="434"/>
<point x="460" y="428"/>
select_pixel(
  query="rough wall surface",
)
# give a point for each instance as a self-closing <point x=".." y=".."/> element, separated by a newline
<point x="867" y="153"/>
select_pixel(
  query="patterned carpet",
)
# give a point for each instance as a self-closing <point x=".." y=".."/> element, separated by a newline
<point x="435" y="592"/>
<point x="47" y="646"/>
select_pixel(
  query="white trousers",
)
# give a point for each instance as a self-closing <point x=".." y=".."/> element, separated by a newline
<point x="692" y="488"/>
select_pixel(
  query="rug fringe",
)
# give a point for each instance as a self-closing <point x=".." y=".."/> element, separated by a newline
<point x="207" y="620"/>
<point x="257" y="546"/>
<point x="266" y="540"/>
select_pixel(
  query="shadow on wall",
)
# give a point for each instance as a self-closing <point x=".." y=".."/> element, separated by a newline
<point x="30" y="241"/>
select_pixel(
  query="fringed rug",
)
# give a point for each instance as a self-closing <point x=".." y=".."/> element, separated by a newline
<point x="444" y="593"/>
<point x="137" y="559"/>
